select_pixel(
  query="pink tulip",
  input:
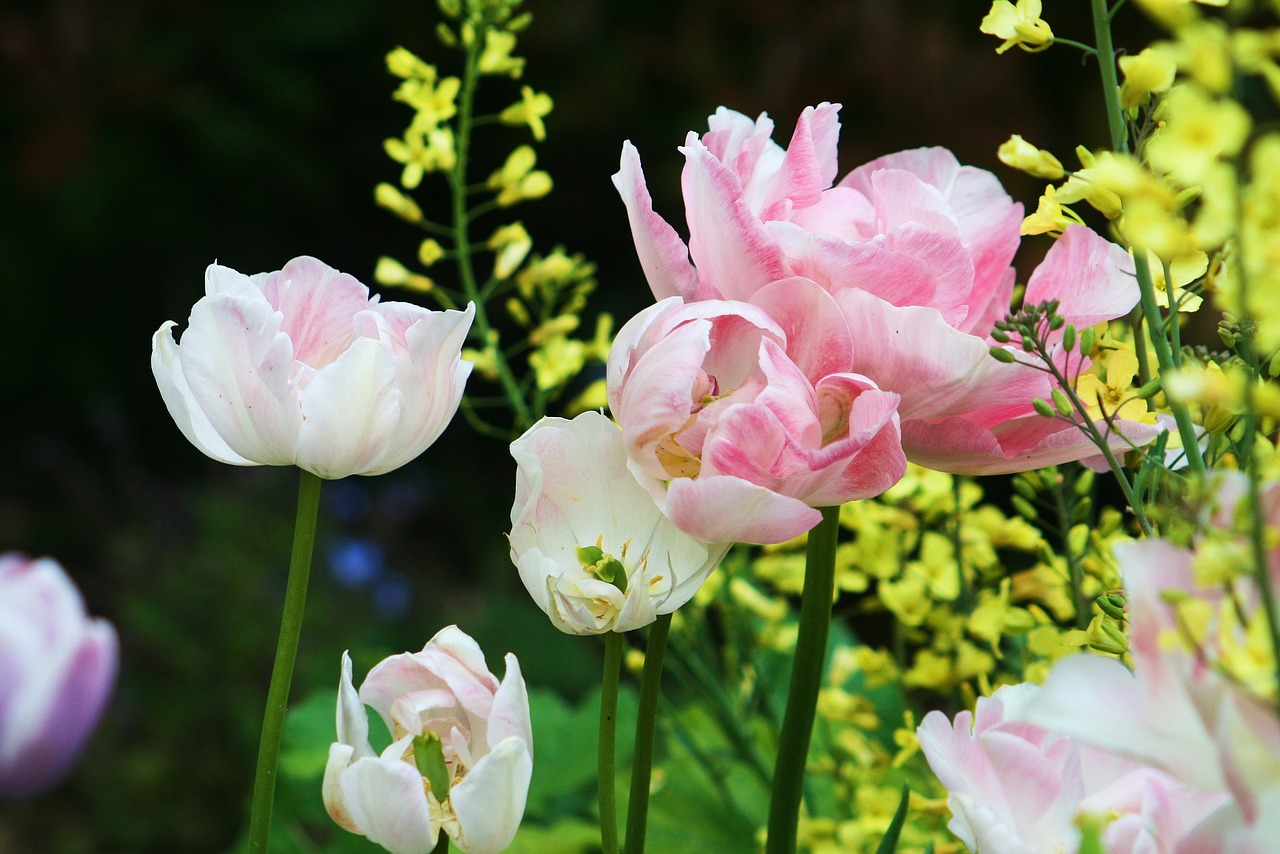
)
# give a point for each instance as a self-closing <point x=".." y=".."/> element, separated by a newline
<point x="300" y="367"/>
<point x="916" y="251"/>
<point x="481" y="729"/>
<point x="736" y="432"/>
<point x="1016" y="788"/>
<point x="57" y="670"/>
<point x="1175" y="710"/>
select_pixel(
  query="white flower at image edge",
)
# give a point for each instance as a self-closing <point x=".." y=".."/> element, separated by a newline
<point x="592" y="548"/>
<point x="482" y="731"/>
<point x="301" y="367"/>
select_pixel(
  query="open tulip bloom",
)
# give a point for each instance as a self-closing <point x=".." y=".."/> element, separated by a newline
<point x="592" y="548"/>
<point x="915" y="249"/>
<point x="301" y="367"/>
<point x="57" y="670"/>
<point x="460" y="758"/>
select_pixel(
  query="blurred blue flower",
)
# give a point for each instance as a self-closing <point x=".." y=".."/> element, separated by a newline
<point x="348" y="500"/>
<point x="392" y="596"/>
<point x="355" y="561"/>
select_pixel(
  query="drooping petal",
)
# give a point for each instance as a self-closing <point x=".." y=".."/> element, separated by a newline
<point x="729" y="509"/>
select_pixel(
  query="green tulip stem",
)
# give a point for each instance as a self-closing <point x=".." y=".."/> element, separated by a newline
<point x="646" y="724"/>
<point x="608" y="738"/>
<point x="295" y="600"/>
<point x="806" y="680"/>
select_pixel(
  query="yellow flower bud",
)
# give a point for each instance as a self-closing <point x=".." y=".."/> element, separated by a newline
<point x="1025" y="157"/>
<point x="511" y="243"/>
<point x="429" y="252"/>
<point x="496" y="57"/>
<point x="387" y="196"/>
<point x="392" y="273"/>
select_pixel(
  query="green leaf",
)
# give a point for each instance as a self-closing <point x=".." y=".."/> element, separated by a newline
<point x="889" y="843"/>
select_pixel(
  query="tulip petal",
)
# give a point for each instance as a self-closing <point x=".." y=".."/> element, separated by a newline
<point x="386" y="800"/>
<point x="663" y="255"/>
<point x="237" y="364"/>
<point x="734" y="253"/>
<point x="318" y="303"/>
<point x="818" y="339"/>
<point x="809" y="165"/>
<point x="352" y="721"/>
<point x="958" y="446"/>
<point x="349" y="411"/>
<point x="166" y="366"/>
<point x="1092" y="278"/>
<point x="489" y="801"/>
<point x="938" y="370"/>
<point x="510" y="715"/>
<point x="755" y="514"/>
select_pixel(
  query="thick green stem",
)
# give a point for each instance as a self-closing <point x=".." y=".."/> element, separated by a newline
<point x="462" y="242"/>
<point x="295" y="600"/>
<point x="1150" y="310"/>
<point x="646" y="724"/>
<point x="608" y="738"/>
<point x="806" y="681"/>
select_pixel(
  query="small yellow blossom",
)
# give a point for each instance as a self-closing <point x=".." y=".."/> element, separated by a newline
<point x="1145" y="74"/>
<point x="1023" y="156"/>
<point x="406" y="64"/>
<point x="1183" y="270"/>
<point x="529" y="110"/>
<point x="1050" y="216"/>
<point x="1113" y="397"/>
<point x="1195" y="130"/>
<point x="517" y="180"/>
<point x="556" y="362"/>
<point x="496" y="57"/>
<point x="1018" y="24"/>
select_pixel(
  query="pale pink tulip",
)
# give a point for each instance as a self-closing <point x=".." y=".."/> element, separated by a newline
<point x="1016" y="788"/>
<point x="1176" y="710"/>
<point x="483" y="728"/>
<point x="916" y="250"/>
<point x="57" y="670"/>
<point x="574" y="491"/>
<point x="735" y="438"/>
<point x="300" y="367"/>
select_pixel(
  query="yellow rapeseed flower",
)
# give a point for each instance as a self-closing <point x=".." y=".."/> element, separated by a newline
<point x="1018" y="24"/>
<point x="1023" y="156"/>
<point x="1146" y="73"/>
<point x="529" y="110"/>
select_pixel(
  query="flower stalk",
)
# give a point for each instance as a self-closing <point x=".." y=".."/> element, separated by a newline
<point x="608" y="739"/>
<point x="646" y="723"/>
<point x="806" y="680"/>
<point x="295" y="600"/>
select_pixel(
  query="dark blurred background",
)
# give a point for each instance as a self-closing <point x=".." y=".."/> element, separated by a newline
<point x="142" y="139"/>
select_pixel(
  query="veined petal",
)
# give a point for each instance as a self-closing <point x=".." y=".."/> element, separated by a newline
<point x="809" y="165"/>
<point x="318" y="304"/>
<point x="818" y="339"/>
<point x="663" y="255"/>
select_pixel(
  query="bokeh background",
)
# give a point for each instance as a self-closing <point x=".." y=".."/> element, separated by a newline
<point x="142" y="139"/>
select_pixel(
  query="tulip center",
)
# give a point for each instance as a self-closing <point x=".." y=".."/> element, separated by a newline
<point x="604" y="566"/>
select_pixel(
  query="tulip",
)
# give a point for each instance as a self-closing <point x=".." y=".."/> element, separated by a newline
<point x="57" y="670"/>
<point x="915" y="249"/>
<point x="301" y="367"/>
<point x="1188" y="706"/>
<point x="592" y="548"/>
<point x="1016" y="788"/>
<point x="460" y="758"/>
<point x="740" y="419"/>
